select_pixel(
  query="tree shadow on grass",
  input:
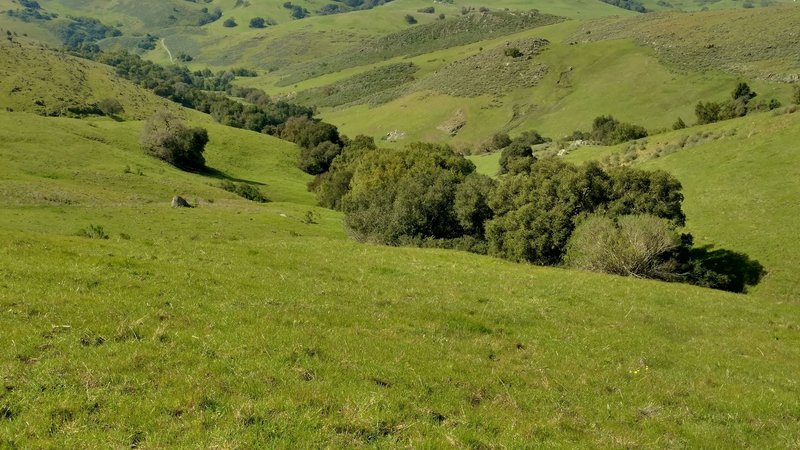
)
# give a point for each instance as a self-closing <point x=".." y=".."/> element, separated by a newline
<point x="220" y="175"/>
<point x="724" y="269"/>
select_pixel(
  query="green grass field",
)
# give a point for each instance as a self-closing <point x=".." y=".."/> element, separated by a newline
<point x="236" y="324"/>
<point x="244" y="325"/>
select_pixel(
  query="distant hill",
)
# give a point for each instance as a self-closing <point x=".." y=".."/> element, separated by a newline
<point x="39" y="79"/>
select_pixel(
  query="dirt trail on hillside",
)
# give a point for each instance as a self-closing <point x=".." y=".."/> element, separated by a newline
<point x="164" y="44"/>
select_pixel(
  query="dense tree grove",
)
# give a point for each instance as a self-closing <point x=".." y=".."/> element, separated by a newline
<point x="541" y="211"/>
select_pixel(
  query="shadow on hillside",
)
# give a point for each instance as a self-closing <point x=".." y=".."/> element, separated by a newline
<point x="220" y="175"/>
<point x="725" y="269"/>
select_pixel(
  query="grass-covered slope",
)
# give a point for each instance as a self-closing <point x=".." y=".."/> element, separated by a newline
<point x="742" y="187"/>
<point x="758" y="42"/>
<point x="35" y="78"/>
<point x="245" y="325"/>
<point x="236" y="324"/>
<point x="589" y="68"/>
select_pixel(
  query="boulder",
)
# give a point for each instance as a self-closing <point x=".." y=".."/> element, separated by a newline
<point x="180" y="202"/>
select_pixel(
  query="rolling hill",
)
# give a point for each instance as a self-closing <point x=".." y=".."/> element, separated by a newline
<point x="237" y="324"/>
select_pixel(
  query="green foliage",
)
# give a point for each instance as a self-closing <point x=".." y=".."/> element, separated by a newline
<point x="796" y="94"/>
<point x="411" y="20"/>
<point x="229" y="23"/>
<point x="297" y="11"/>
<point x="679" y="124"/>
<point x="743" y="92"/>
<point x="708" y="112"/>
<point x="405" y="194"/>
<point x="632" y="5"/>
<point x="738" y="106"/>
<point x="166" y="137"/>
<point x="634" y="192"/>
<point x="536" y="210"/>
<point x="471" y="204"/>
<point x="93" y="232"/>
<point x="333" y="184"/>
<point x="517" y="155"/>
<point x="190" y="89"/>
<point x="77" y="32"/>
<point x="244" y="190"/>
<point x="308" y="133"/>
<point x="639" y="246"/>
<point x="258" y="22"/>
<point x="609" y="131"/>
<point x="110" y="106"/>
<point x="316" y="160"/>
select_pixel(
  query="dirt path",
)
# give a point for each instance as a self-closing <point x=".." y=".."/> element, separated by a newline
<point x="164" y="44"/>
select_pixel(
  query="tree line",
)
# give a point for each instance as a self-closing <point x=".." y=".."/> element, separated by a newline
<point x="624" y="220"/>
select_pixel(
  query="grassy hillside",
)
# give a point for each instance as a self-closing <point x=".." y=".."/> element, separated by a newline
<point x="753" y="42"/>
<point x="238" y="325"/>
<point x="742" y="188"/>
<point x="586" y="75"/>
<point x="582" y="82"/>
<point x="34" y="78"/>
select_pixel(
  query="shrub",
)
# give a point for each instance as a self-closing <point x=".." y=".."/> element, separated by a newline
<point x="512" y="52"/>
<point x="244" y="190"/>
<point x="258" y="22"/>
<point x="427" y="10"/>
<point x="609" y="131"/>
<point x="110" y="107"/>
<point x="411" y="20"/>
<point x="405" y="194"/>
<point x="708" y="112"/>
<point x="308" y="133"/>
<point x="679" y="124"/>
<point x="229" y="23"/>
<point x="639" y="246"/>
<point x="536" y="209"/>
<point x="471" y="204"/>
<point x="517" y="154"/>
<point x="169" y="139"/>
<point x="334" y="184"/>
<point x="317" y="160"/>
<point x="93" y="232"/>
<point x="796" y="94"/>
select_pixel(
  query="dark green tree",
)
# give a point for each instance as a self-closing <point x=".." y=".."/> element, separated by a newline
<point x="168" y="138"/>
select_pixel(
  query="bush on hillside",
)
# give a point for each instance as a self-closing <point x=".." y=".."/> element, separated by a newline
<point x="229" y="23"/>
<point x="334" y="184"/>
<point x="639" y="246"/>
<point x="515" y="156"/>
<point x="537" y="209"/>
<point x="609" y="131"/>
<point x="796" y="94"/>
<point x="110" y="107"/>
<point x="316" y="160"/>
<point x="407" y="194"/>
<point x="168" y="138"/>
<point x="244" y="190"/>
